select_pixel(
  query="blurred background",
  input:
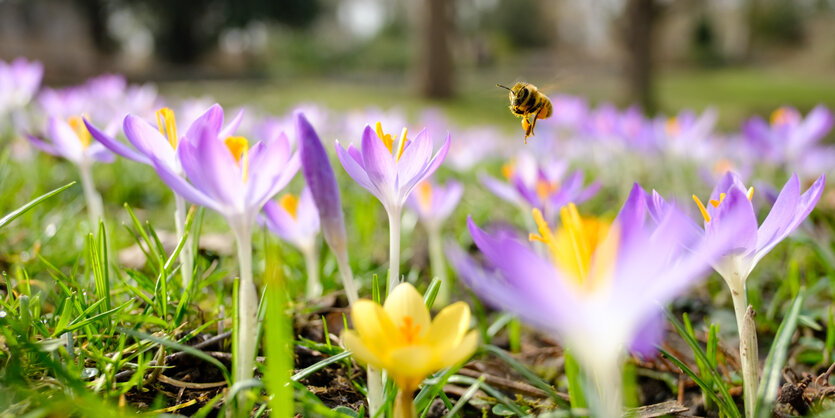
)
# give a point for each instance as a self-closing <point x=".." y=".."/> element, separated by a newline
<point x="743" y="56"/>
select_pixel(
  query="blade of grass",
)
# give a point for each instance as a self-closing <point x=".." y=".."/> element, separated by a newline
<point x="773" y="366"/>
<point x="179" y="347"/>
<point x="279" y="337"/>
<point x="32" y="203"/>
<point x="527" y="374"/>
<point x="468" y="394"/>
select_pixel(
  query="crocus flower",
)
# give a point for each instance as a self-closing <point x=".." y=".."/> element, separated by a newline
<point x="19" y="81"/>
<point x="433" y="204"/>
<point x="542" y="186"/>
<point x="324" y="190"/>
<point x="600" y="285"/>
<point x="390" y="168"/>
<point x="235" y="180"/>
<point x="296" y="220"/>
<point x="687" y="134"/>
<point x="71" y="140"/>
<point x="748" y="246"/>
<point x="401" y="338"/>
<point x="790" y="139"/>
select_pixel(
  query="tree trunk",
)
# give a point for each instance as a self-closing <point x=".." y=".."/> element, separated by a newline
<point x="435" y="66"/>
<point x="640" y="17"/>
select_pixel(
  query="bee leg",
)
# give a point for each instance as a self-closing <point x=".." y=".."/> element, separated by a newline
<point x="526" y="125"/>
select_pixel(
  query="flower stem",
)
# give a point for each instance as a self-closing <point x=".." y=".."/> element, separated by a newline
<point x="436" y="260"/>
<point x="404" y="404"/>
<point x="311" y="261"/>
<point x="187" y="253"/>
<point x="246" y="334"/>
<point x="748" y="350"/>
<point x="394" y="248"/>
<point x="347" y="275"/>
<point x="91" y="196"/>
<point x="375" y="390"/>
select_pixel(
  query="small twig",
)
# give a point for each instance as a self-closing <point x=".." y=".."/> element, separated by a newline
<point x="825" y="376"/>
<point x="189" y="385"/>
<point x="516" y="387"/>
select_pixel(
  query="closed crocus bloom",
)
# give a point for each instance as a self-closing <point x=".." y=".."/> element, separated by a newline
<point x="599" y="286"/>
<point x="401" y="338"/>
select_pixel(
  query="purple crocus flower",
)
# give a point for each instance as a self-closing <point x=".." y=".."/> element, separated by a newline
<point x="19" y="81"/>
<point x="601" y="286"/>
<point x="295" y="219"/>
<point x="434" y="202"/>
<point x="542" y="186"/>
<point x="390" y="169"/>
<point x="70" y="139"/>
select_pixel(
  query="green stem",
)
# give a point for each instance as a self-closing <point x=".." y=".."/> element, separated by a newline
<point x="311" y="260"/>
<point x="436" y="261"/>
<point x="245" y="335"/>
<point x="748" y="350"/>
<point x="394" y="248"/>
<point x="187" y="253"/>
<point x="609" y="383"/>
<point x="91" y="196"/>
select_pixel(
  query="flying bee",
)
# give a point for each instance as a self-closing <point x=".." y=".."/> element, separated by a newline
<point x="528" y="103"/>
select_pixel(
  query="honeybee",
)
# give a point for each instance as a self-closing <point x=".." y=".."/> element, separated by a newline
<point x="526" y="101"/>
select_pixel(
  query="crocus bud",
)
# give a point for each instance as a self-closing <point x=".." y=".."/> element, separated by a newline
<point x="322" y="183"/>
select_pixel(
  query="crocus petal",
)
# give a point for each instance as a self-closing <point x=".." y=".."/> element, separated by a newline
<point x="452" y="195"/>
<point x="210" y="121"/>
<point x="449" y="326"/>
<point x="183" y="188"/>
<point x="462" y="352"/>
<point x="745" y="224"/>
<point x="405" y="302"/>
<point x="115" y="145"/>
<point x="414" y="158"/>
<point x="787" y="214"/>
<point x="99" y="153"/>
<point x="64" y="140"/>
<point x="501" y="189"/>
<point x="379" y="165"/>
<point x="279" y="221"/>
<point x="42" y="145"/>
<point x="359" y="351"/>
<point x="373" y="324"/>
<point x="356" y="171"/>
<point x="232" y="126"/>
<point x="149" y="141"/>
<point x="222" y="175"/>
<point x="411" y="361"/>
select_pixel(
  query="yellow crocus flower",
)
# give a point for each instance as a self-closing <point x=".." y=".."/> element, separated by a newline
<point x="400" y="338"/>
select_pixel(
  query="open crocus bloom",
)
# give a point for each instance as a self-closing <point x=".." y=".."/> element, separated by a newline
<point x="161" y="142"/>
<point x="402" y="339"/>
<point x="71" y="139"/>
<point x="390" y="168"/>
<point x="753" y="241"/>
<point x="19" y="80"/>
<point x="433" y="202"/>
<point x="601" y="286"/>
<point x="228" y="176"/>
<point x="294" y="219"/>
<point x="787" y="134"/>
<point x="542" y="186"/>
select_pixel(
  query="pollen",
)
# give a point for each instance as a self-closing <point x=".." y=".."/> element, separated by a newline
<point x="239" y="147"/>
<point x="77" y="125"/>
<point x="290" y="203"/>
<point x="167" y="124"/>
<point x="508" y="169"/>
<point x="409" y="330"/>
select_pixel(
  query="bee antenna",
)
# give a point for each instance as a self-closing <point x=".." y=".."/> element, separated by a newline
<point x="504" y="87"/>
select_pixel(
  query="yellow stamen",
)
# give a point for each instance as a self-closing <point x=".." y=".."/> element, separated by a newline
<point x="402" y="145"/>
<point x="388" y="140"/>
<point x="545" y="188"/>
<point x="424" y="195"/>
<point x="508" y="168"/>
<point x="750" y="193"/>
<point x="290" y="203"/>
<point x="239" y="147"/>
<point x="673" y="127"/>
<point x="715" y="202"/>
<point x="781" y="115"/>
<point x="701" y="208"/>
<point x="585" y="249"/>
<point x="77" y="125"/>
<point x="167" y="125"/>
<point x="409" y="329"/>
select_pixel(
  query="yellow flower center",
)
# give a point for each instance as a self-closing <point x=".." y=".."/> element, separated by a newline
<point x="715" y="203"/>
<point x="424" y="195"/>
<point x="167" y="125"/>
<point x="508" y="169"/>
<point x="583" y="248"/>
<point x="782" y="115"/>
<point x="410" y="330"/>
<point x="388" y="140"/>
<point x="723" y="166"/>
<point x="239" y="147"/>
<point x="77" y="125"/>
<point x="290" y="203"/>
<point x="673" y="127"/>
<point x="545" y="188"/>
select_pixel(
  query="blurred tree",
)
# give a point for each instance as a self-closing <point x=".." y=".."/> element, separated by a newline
<point x="185" y="30"/>
<point x="639" y="24"/>
<point x="435" y="66"/>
